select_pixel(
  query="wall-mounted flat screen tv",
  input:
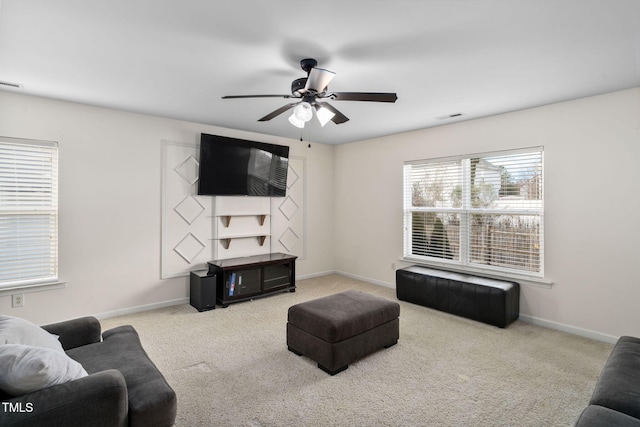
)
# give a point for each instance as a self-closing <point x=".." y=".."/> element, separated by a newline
<point x="239" y="167"/>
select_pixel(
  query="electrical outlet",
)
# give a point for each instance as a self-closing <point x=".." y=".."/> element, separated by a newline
<point x="17" y="300"/>
<point x="393" y="266"/>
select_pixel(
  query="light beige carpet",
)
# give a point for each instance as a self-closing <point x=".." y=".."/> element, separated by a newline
<point x="231" y="367"/>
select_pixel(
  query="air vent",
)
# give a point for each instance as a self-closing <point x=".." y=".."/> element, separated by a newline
<point x="449" y="116"/>
<point x="9" y="84"/>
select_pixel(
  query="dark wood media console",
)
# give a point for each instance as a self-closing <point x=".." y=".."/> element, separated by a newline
<point x="247" y="278"/>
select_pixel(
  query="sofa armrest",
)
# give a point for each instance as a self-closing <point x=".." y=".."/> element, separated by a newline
<point x="76" y="332"/>
<point x="99" y="399"/>
<point x="599" y="416"/>
<point x="618" y="387"/>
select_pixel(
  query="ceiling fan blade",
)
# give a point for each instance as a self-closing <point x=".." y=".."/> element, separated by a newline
<point x="339" y="117"/>
<point x="363" y="96"/>
<point x="277" y="112"/>
<point x="256" y="96"/>
<point x="319" y="79"/>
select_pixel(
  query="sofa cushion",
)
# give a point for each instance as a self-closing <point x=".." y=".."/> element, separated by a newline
<point x="618" y="387"/>
<point x="25" y="369"/>
<point x="14" y="330"/>
<point x="151" y="400"/>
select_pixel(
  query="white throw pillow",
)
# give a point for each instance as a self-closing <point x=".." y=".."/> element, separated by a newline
<point x="25" y="369"/>
<point x="14" y="330"/>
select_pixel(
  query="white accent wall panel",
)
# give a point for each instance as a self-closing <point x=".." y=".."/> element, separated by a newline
<point x="186" y="217"/>
<point x="197" y="229"/>
<point x="288" y="219"/>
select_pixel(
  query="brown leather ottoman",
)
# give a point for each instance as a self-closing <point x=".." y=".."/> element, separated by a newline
<point x="338" y="329"/>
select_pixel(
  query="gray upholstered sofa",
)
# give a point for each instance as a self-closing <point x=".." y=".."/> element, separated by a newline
<point x="616" y="397"/>
<point x="123" y="386"/>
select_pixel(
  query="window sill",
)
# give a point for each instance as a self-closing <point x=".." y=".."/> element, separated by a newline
<point x="34" y="287"/>
<point x="522" y="279"/>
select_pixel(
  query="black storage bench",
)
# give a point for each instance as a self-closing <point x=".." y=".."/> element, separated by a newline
<point x="491" y="301"/>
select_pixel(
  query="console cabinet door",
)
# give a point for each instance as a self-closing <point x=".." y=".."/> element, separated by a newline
<point x="242" y="283"/>
<point x="277" y="276"/>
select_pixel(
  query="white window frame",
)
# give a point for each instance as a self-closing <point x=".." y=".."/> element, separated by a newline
<point x="463" y="212"/>
<point x="28" y="214"/>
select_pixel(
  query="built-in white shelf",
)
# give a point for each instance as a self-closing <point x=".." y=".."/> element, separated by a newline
<point x="243" y="219"/>
<point x="226" y="240"/>
<point x="226" y="218"/>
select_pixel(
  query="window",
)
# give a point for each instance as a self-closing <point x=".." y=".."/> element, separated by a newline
<point x="477" y="212"/>
<point x="28" y="212"/>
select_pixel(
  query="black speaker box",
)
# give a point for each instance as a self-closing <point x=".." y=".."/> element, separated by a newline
<point x="203" y="290"/>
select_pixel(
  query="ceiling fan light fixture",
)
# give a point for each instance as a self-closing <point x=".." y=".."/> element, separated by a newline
<point x="303" y="112"/>
<point x="294" y="121"/>
<point x="324" y="115"/>
<point x="319" y="79"/>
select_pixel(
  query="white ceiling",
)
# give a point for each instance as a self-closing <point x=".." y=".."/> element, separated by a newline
<point x="178" y="58"/>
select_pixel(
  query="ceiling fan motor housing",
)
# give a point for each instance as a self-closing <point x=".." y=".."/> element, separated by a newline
<point x="307" y="64"/>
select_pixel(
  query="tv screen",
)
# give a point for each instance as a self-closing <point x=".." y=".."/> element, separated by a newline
<point x="238" y="167"/>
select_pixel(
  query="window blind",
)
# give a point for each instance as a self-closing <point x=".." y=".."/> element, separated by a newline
<point x="28" y="212"/>
<point x="482" y="211"/>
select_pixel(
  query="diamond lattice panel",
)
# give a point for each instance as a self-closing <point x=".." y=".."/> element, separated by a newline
<point x="188" y="170"/>
<point x="289" y="239"/>
<point x="186" y="218"/>
<point x="292" y="177"/>
<point x="189" y="247"/>
<point x="189" y="209"/>
<point x="288" y="214"/>
<point x="288" y="208"/>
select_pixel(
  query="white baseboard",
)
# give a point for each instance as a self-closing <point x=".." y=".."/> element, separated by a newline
<point x="598" y="336"/>
<point x="141" y="308"/>
<point x="314" y="275"/>
<point x="366" y="279"/>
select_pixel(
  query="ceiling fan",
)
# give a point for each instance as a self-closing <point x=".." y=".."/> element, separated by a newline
<point x="310" y="92"/>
